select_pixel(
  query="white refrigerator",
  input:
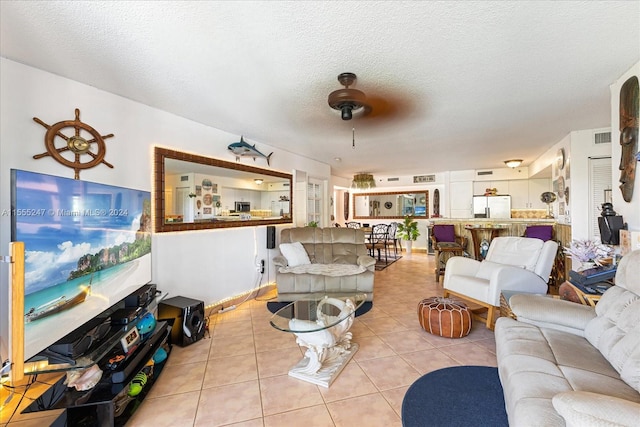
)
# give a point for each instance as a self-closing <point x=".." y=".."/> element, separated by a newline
<point x="492" y="206"/>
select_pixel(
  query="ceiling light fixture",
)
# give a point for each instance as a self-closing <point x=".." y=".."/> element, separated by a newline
<point x="347" y="100"/>
<point x="513" y="163"/>
<point x="258" y="181"/>
<point x="363" y="181"/>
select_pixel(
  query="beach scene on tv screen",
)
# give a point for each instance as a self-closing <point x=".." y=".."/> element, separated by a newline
<point x="87" y="246"/>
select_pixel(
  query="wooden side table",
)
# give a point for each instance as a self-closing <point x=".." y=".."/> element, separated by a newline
<point x="571" y="292"/>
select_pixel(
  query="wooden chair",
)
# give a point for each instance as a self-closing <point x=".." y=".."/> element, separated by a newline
<point x="393" y="238"/>
<point x="378" y="241"/>
<point x="446" y="244"/>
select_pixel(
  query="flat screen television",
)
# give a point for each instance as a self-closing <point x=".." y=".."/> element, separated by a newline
<point x="87" y="246"/>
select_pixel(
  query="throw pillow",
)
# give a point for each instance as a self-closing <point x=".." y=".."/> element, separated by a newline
<point x="542" y="232"/>
<point x="444" y="233"/>
<point x="295" y="254"/>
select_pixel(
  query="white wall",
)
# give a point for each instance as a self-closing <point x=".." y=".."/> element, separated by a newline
<point x="582" y="149"/>
<point x="207" y="265"/>
<point x="631" y="210"/>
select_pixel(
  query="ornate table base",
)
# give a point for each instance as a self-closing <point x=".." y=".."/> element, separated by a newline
<point x="329" y="370"/>
<point x="328" y="343"/>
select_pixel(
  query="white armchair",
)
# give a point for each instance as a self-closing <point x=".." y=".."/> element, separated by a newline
<point x="512" y="263"/>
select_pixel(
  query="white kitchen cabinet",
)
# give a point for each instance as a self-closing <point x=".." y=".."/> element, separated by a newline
<point x="525" y="194"/>
<point x="519" y="191"/>
<point x="536" y="188"/>
<point x="461" y="199"/>
<point x="480" y="187"/>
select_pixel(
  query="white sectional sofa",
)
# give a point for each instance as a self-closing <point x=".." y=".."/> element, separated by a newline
<point x="562" y="363"/>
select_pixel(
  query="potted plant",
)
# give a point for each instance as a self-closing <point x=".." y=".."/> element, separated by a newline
<point x="312" y="224"/>
<point x="408" y="231"/>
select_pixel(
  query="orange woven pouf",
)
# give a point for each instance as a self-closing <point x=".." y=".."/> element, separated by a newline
<point x="445" y="317"/>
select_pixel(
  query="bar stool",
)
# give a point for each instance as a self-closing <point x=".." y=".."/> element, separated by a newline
<point x="446" y="244"/>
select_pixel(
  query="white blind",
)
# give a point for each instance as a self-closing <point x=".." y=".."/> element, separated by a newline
<point x="599" y="180"/>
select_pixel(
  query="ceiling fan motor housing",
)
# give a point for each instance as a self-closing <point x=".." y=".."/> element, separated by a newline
<point x="347" y="100"/>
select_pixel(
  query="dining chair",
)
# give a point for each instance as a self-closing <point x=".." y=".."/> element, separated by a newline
<point x="378" y="241"/>
<point x="446" y="244"/>
<point x="353" y="224"/>
<point x="393" y="238"/>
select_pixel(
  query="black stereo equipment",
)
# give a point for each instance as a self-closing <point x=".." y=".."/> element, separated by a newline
<point x="271" y="237"/>
<point x="142" y="296"/>
<point x="188" y="319"/>
<point x="154" y="342"/>
<point x="124" y="316"/>
<point x="78" y="342"/>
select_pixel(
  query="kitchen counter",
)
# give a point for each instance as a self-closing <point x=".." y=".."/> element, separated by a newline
<point x="486" y="228"/>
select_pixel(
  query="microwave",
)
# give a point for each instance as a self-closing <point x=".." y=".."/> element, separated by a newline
<point x="243" y="206"/>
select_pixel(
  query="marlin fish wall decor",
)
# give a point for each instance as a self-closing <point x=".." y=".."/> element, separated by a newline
<point x="242" y="149"/>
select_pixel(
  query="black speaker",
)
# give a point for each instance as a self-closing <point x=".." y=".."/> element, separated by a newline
<point x="610" y="227"/>
<point x="271" y="236"/>
<point x="188" y="319"/>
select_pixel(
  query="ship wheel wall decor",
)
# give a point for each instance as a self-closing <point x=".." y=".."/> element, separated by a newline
<point x="76" y="145"/>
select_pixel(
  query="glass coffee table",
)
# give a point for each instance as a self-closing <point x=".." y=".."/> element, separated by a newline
<point x="321" y="324"/>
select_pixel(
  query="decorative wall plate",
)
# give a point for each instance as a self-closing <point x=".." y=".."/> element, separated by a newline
<point x="561" y="187"/>
<point x="560" y="159"/>
<point x="77" y="145"/>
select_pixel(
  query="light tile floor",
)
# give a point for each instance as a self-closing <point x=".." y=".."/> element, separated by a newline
<point x="238" y="375"/>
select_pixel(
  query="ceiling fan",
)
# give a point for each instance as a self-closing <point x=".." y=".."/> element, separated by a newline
<point x="348" y="100"/>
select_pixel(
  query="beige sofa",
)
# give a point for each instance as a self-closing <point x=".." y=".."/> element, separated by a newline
<point x="338" y="262"/>
<point x="563" y="363"/>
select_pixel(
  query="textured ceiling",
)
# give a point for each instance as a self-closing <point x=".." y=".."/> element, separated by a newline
<point x="457" y="85"/>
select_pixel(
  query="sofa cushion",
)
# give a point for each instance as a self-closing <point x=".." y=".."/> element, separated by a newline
<point x="542" y="232"/>
<point x="295" y="254"/>
<point x="616" y="332"/>
<point x="444" y="233"/>
<point x="581" y="409"/>
<point x="536" y="364"/>
<point x="516" y="251"/>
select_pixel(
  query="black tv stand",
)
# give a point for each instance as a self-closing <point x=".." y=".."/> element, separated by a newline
<point x="108" y="403"/>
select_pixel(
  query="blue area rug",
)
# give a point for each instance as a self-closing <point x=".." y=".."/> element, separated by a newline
<point x="274" y="306"/>
<point x="456" y="396"/>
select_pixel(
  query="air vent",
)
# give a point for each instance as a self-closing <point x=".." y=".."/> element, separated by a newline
<point x="285" y="184"/>
<point x="602" y="138"/>
<point x="184" y="178"/>
<point x="393" y="179"/>
<point x="418" y="179"/>
<point x="485" y="173"/>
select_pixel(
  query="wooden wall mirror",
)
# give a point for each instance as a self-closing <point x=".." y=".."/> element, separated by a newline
<point x="195" y="192"/>
<point x="391" y="205"/>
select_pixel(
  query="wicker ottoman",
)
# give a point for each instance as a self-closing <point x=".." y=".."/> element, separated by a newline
<point x="445" y="317"/>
